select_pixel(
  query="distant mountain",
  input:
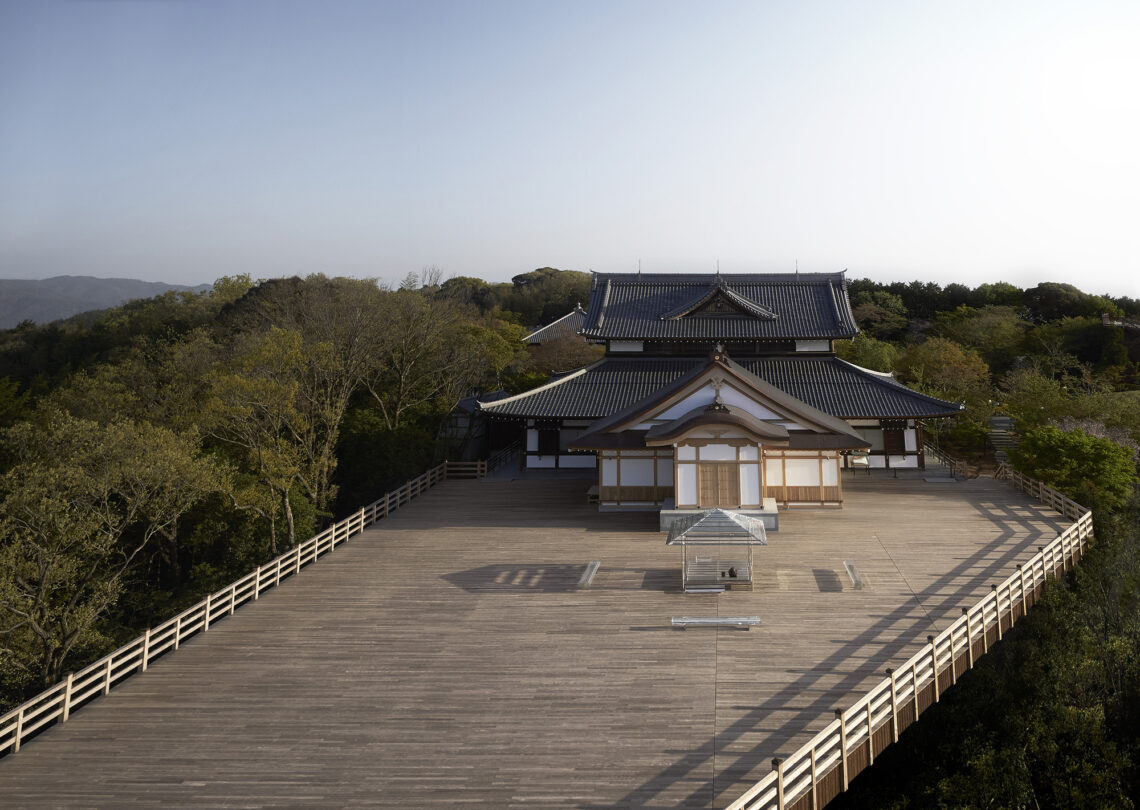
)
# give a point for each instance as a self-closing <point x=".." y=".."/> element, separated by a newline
<point x="52" y="299"/>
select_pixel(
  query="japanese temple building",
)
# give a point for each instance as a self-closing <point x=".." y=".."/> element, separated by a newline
<point x="720" y="391"/>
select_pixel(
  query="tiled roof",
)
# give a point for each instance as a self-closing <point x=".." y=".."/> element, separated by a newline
<point x="633" y="306"/>
<point x="567" y="326"/>
<point x="833" y="386"/>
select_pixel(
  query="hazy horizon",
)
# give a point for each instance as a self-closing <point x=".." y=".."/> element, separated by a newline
<point x="185" y="141"/>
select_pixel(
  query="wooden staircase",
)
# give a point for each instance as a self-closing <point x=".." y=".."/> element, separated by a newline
<point x="1002" y="437"/>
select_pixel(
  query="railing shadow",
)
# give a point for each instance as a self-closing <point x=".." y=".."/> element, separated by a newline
<point x="895" y="634"/>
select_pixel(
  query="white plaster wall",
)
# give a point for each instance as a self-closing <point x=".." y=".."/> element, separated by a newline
<point x="609" y="472"/>
<point x="750" y="485"/>
<point x="576" y="461"/>
<point x="627" y="346"/>
<point x="686" y="484"/>
<point x="803" y="472"/>
<point x="686" y="453"/>
<point x="830" y="472"/>
<point x="531" y="439"/>
<point x="911" y="439"/>
<point x="774" y="472"/>
<point x="718" y="452"/>
<point x="706" y="396"/>
<point x="730" y="396"/>
<point x="540" y="461"/>
<point x="904" y="462"/>
<point x="749" y="452"/>
<point x="812" y="346"/>
<point x="636" y="472"/>
<point x="873" y="435"/>
<point x="665" y="472"/>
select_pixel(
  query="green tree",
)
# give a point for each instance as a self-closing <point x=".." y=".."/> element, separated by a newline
<point x="943" y="367"/>
<point x="864" y="350"/>
<point x="1095" y="472"/>
<point x="79" y="506"/>
<point x="995" y="332"/>
<point x="880" y="314"/>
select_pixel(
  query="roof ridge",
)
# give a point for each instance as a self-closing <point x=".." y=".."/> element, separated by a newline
<point x="545" y="386"/>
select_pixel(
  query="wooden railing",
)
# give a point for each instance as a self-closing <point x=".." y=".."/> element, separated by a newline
<point x="823" y="768"/>
<point x="56" y="704"/>
<point x="958" y="467"/>
<point x="1045" y="494"/>
<point x="501" y="457"/>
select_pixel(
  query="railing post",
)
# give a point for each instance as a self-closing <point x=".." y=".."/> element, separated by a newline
<point x="233" y="599"/>
<point x="145" y="649"/>
<point x="997" y="607"/>
<point x="277" y="573"/>
<point x="297" y="564"/>
<point x="206" y="615"/>
<point x="20" y="731"/>
<point x="256" y="582"/>
<point x="914" y="691"/>
<point x="814" y="783"/>
<point x="107" y="676"/>
<point x="1021" y="576"/>
<point x="870" y="736"/>
<point x="840" y="714"/>
<point x="177" y="630"/>
<point x="67" y="697"/>
<point x="934" y="664"/>
<point x="778" y="767"/>
<point x="970" y="638"/>
<point x="953" y="659"/>
<point x="894" y="706"/>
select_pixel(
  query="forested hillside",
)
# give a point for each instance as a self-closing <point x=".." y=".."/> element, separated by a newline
<point x="1050" y="718"/>
<point x="170" y="445"/>
<point x="174" y="443"/>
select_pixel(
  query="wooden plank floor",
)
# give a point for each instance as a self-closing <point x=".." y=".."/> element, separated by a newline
<point x="446" y="657"/>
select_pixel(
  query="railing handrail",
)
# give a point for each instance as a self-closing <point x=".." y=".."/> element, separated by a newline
<point x="958" y="467"/>
<point x="57" y="702"/>
<point x="856" y="728"/>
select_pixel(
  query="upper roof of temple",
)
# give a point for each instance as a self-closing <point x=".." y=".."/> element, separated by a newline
<point x="716" y="307"/>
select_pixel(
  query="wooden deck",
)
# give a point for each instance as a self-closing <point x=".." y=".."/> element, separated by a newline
<point x="447" y="657"/>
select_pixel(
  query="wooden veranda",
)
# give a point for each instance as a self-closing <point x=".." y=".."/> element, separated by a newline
<point x="447" y="655"/>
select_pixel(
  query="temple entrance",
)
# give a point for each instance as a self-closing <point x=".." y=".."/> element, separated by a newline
<point x="718" y="485"/>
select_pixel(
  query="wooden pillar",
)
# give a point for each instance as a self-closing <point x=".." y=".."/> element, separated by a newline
<point x="778" y="767"/>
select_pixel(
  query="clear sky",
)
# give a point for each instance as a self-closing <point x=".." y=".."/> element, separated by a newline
<point x="945" y="141"/>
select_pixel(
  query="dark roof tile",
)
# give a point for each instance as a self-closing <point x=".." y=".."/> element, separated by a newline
<point x="632" y="306"/>
<point x="833" y="386"/>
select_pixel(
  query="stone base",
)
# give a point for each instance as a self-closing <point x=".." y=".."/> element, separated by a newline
<point x="766" y="513"/>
